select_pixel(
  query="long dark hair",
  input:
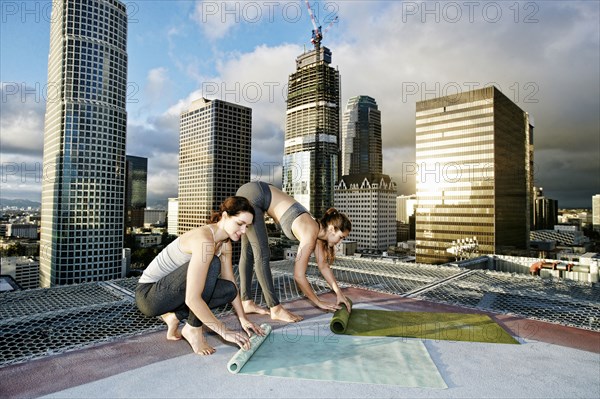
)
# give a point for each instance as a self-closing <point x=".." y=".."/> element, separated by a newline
<point x="339" y="221"/>
<point x="233" y="206"/>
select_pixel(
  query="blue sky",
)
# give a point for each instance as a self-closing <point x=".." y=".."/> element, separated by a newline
<point x="543" y="55"/>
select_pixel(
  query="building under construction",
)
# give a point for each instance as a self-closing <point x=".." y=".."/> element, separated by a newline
<point x="310" y="161"/>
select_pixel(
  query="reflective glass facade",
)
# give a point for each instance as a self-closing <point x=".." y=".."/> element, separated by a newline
<point x="214" y="158"/>
<point x="135" y="190"/>
<point x="83" y="189"/>
<point x="473" y="157"/>
<point x="361" y="137"/>
<point x="310" y="162"/>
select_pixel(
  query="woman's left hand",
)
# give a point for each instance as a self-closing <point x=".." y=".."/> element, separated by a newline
<point x="341" y="299"/>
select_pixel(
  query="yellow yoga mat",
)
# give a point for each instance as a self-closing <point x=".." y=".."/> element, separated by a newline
<point x="424" y="325"/>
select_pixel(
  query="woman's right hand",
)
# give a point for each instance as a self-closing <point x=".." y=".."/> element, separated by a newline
<point x="327" y="306"/>
<point x="239" y="339"/>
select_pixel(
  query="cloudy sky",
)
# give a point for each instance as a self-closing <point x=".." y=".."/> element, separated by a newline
<point x="543" y="55"/>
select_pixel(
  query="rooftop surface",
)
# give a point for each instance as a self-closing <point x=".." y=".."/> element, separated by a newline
<point x="89" y="340"/>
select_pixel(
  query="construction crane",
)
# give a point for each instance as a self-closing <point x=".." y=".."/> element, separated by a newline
<point x="317" y="34"/>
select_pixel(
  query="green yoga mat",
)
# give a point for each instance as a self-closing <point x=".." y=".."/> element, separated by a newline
<point x="330" y="357"/>
<point x="424" y="325"/>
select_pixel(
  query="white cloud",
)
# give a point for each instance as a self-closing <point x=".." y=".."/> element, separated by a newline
<point x="156" y="84"/>
<point x="22" y="119"/>
<point x="162" y="177"/>
<point x="216" y="18"/>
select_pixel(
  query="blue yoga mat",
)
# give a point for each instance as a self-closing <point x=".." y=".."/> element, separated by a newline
<point x="310" y="352"/>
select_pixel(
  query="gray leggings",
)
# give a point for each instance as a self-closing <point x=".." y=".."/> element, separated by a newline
<point x="255" y="245"/>
<point x="168" y="294"/>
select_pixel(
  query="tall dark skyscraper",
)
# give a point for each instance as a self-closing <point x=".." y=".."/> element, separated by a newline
<point x="361" y="150"/>
<point x="474" y="181"/>
<point x="135" y="190"/>
<point x="83" y="190"/>
<point x="310" y="161"/>
<point x="363" y="192"/>
<point x="545" y="211"/>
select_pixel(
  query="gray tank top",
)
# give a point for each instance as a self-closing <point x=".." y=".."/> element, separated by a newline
<point x="169" y="259"/>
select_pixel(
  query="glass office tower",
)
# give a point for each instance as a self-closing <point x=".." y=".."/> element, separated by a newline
<point x="361" y="137"/>
<point x="83" y="189"/>
<point x="310" y="161"/>
<point x="473" y="154"/>
<point x="135" y="190"/>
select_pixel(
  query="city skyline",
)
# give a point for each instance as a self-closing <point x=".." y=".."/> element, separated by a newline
<point x="542" y="55"/>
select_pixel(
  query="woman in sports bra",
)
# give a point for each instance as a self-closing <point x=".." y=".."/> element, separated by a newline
<point x="315" y="236"/>
<point x="183" y="282"/>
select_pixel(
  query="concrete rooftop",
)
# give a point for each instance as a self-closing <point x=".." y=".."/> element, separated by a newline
<point x="89" y="341"/>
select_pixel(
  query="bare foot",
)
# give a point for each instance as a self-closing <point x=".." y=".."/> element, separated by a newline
<point x="280" y="313"/>
<point x="251" y="307"/>
<point x="195" y="337"/>
<point x="172" y="326"/>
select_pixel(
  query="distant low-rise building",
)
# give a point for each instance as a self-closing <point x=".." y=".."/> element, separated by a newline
<point x="22" y="230"/>
<point x="154" y="216"/>
<point x="148" y="240"/>
<point x="346" y="248"/>
<point x="23" y="269"/>
<point x="562" y="235"/>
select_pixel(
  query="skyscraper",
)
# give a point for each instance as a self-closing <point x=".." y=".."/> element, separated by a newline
<point x="364" y="193"/>
<point x="310" y="161"/>
<point x="361" y="137"/>
<point x="135" y="190"/>
<point x="596" y="212"/>
<point x="405" y="207"/>
<point x="172" y="218"/>
<point x="545" y="211"/>
<point x="474" y="181"/>
<point x="214" y="158"/>
<point x="83" y="190"/>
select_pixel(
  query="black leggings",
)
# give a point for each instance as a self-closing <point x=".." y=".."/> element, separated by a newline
<point x="168" y="294"/>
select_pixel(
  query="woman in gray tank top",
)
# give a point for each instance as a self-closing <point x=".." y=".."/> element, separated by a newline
<point x="183" y="281"/>
<point x="315" y="236"/>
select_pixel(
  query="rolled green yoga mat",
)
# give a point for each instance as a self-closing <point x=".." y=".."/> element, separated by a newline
<point x="424" y="325"/>
<point x="241" y="357"/>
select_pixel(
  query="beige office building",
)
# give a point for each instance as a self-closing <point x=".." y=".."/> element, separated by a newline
<point x="596" y="212"/>
<point x="214" y="158"/>
<point x="369" y="201"/>
<point x="474" y="180"/>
